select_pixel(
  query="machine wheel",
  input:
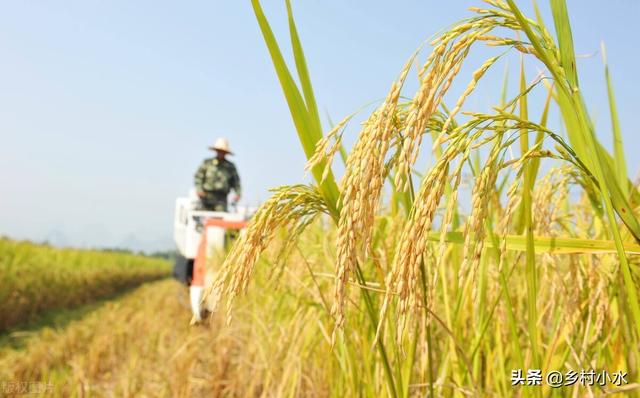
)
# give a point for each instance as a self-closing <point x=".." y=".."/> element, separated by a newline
<point x="183" y="269"/>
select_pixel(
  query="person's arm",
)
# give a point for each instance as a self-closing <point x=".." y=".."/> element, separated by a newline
<point x="235" y="183"/>
<point x="199" y="178"/>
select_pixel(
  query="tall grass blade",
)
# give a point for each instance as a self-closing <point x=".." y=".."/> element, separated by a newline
<point x="306" y="122"/>
<point x="545" y="244"/>
<point x="618" y="149"/>
<point x="303" y="75"/>
<point x="527" y="189"/>
<point x="565" y="41"/>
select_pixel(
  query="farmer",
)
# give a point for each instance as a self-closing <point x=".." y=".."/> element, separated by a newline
<point x="216" y="177"/>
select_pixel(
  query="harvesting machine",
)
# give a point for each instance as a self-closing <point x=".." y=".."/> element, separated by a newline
<point x="198" y="234"/>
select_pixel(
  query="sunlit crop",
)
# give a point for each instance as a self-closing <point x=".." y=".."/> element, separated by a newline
<point x="38" y="278"/>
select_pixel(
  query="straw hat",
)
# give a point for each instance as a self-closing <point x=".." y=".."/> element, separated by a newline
<point x="221" y="144"/>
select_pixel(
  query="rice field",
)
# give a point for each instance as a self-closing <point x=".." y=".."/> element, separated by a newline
<point x="393" y="279"/>
<point x="37" y="278"/>
<point x="538" y="276"/>
<point x="277" y="344"/>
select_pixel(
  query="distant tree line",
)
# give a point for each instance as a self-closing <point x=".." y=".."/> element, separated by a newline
<point x="166" y="254"/>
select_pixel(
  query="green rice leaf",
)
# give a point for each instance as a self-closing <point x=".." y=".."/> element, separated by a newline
<point x="618" y="148"/>
<point x="552" y="245"/>
<point x="303" y="75"/>
<point x="307" y="125"/>
<point x="565" y="41"/>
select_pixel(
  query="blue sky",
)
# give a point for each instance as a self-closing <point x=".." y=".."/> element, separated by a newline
<point x="106" y="108"/>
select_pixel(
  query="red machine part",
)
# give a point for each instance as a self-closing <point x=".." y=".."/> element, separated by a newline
<point x="200" y="263"/>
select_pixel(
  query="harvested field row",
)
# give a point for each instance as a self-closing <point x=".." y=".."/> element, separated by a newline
<point x="38" y="278"/>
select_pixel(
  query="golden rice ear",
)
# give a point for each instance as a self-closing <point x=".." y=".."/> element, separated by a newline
<point x="324" y="154"/>
<point x="361" y="187"/>
<point x="477" y="75"/>
<point x="406" y="269"/>
<point x="436" y="77"/>
<point x="513" y="201"/>
<point x="288" y="206"/>
<point x="475" y="231"/>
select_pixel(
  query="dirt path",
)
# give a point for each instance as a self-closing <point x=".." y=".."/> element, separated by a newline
<point x="138" y="344"/>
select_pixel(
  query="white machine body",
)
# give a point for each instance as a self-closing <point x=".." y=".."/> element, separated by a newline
<point x="188" y="225"/>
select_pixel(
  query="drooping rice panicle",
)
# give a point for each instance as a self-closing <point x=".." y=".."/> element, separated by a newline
<point x="289" y="205"/>
<point x="361" y="187"/>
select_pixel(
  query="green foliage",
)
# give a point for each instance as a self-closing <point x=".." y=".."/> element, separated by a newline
<point x="304" y="112"/>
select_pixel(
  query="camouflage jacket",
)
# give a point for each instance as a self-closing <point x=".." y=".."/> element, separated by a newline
<point x="217" y="177"/>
